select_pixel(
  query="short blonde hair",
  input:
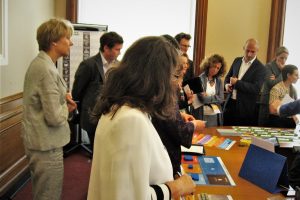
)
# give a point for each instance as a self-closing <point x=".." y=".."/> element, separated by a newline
<point x="51" y="31"/>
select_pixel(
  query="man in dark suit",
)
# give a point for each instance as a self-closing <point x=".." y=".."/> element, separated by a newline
<point x="90" y="77"/>
<point x="243" y="83"/>
<point x="294" y="172"/>
<point x="183" y="40"/>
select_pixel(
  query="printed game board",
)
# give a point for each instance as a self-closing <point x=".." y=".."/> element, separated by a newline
<point x="212" y="141"/>
<point x="284" y="136"/>
<point x="206" y="170"/>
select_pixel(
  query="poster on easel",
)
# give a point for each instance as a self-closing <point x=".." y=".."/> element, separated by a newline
<point x="86" y="43"/>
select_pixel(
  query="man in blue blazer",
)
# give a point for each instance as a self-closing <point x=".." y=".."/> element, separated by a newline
<point x="243" y="83"/>
<point x="285" y="110"/>
<point x="90" y="77"/>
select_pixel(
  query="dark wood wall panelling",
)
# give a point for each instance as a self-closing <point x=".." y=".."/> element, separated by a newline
<point x="276" y="30"/>
<point x="72" y="10"/>
<point x="200" y="34"/>
<point x="13" y="162"/>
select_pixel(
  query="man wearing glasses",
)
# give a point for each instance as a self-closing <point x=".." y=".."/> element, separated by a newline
<point x="183" y="40"/>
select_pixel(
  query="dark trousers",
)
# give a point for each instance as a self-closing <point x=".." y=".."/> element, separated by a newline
<point x="263" y="115"/>
<point x="294" y="173"/>
<point x="281" y="122"/>
<point x="234" y="117"/>
<point x="91" y="134"/>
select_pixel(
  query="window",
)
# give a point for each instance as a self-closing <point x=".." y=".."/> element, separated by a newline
<point x="134" y="19"/>
<point x="3" y="33"/>
<point x="291" y="35"/>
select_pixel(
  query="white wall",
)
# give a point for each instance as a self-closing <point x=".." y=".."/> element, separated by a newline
<point x="229" y="24"/>
<point x="133" y="19"/>
<point x="291" y="35"/>
<point x="23" y="19"/>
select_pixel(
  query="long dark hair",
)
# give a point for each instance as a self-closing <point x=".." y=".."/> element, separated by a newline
<point x="288" y="69"/>
<point x="143" y="80"/>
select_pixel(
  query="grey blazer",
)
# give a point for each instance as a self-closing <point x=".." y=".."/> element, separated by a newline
<point x="217" y="99"/>
<point x="45" y="110"/>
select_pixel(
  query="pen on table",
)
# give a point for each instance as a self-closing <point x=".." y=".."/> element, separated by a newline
<point x="284" y="187"/>
<point x="191" y="196"/>
<point x="178" y="174"/>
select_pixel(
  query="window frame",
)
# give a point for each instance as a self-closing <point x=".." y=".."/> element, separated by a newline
<point x="276" y="29"/>
<point x="4" y="33"/>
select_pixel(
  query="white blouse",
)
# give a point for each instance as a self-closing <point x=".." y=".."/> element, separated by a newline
<point x="210" y="91"/>
<point x="128" y="157"/>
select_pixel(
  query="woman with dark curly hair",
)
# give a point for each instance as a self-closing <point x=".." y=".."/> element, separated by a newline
<point x="212" y="96"/>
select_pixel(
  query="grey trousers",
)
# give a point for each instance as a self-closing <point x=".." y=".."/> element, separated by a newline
<point x="47" y="171"/>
